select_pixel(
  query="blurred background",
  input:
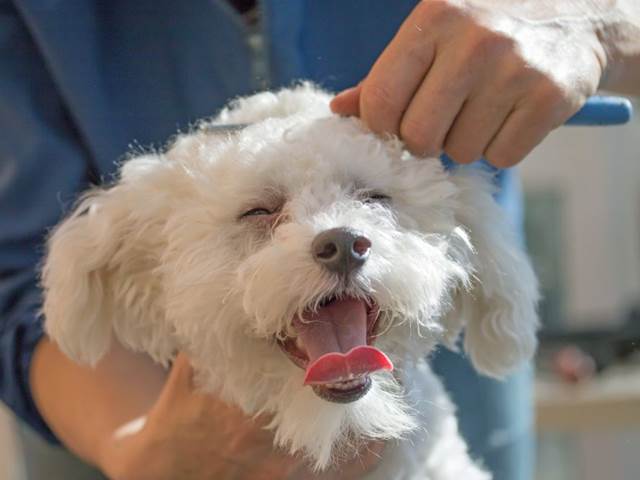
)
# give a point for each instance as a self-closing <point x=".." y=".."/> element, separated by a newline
<point x="582" y="187"/>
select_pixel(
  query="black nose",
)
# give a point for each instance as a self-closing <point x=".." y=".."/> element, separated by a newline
<point x="341" y="250"/>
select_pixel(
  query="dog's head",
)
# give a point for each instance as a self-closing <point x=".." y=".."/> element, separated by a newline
<point x="295" y="261"/>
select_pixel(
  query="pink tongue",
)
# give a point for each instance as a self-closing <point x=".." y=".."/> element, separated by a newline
<point x="336" y="341"/>
<point x="333" y="367"/>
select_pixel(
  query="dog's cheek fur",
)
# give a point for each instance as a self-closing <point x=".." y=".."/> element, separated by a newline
<point x="210" y="323"/>
<point x="281" y="280"/>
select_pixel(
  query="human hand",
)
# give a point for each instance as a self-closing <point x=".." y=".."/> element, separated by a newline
<point x="478" y="77"/>
<point x="192" y="435"/>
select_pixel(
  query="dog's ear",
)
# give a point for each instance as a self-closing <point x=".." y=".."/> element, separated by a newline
<point x="499" y="306"/>
<point x="100" y="276"/>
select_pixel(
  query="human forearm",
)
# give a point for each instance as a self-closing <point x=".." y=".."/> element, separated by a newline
<point x="187" y="434"/>
<point x="621" y="38"/>
<point x="85" y="406"/>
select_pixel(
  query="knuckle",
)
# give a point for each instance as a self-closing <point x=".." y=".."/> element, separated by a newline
<point x="415" y="134"/>
<point x="516" y="74"/>
<point x="420" y="54"/>
<point x="377" y="99"/>
<point x="487" y="44"/>
<point x="436" y="12"/>
<point x="551" y="102"/>
<point x="550" y="92"/>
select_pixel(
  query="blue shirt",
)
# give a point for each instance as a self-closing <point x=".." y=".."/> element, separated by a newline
<point x="83" y="81"/>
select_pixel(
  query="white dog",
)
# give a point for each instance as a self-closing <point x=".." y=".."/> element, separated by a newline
<point x="307" y="267"/>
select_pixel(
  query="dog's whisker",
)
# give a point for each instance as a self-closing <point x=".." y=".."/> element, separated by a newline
<point x="228" y="294"/>
<point x="201" y="222"/>
<point x="181" y="291"/>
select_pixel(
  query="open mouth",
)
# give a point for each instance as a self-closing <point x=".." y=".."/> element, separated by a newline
<point x="334" y="345"/>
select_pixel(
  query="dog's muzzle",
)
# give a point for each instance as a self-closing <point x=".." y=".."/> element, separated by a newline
<point x="333" y="339"/>
<point x="341" y="250"/>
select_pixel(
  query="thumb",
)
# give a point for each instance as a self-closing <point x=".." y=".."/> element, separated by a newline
<point x="180" y="380"/>
<point x="347" y="102"/>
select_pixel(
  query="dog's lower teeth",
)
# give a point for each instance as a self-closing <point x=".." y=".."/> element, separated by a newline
<point x="346" y="385"/>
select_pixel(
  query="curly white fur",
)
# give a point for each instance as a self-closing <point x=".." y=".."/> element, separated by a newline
<point x="162" y="261"/>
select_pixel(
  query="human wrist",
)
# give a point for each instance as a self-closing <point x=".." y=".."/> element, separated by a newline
<point x="591" y="24"/>
<point x="620" y="37"/>
<point x="610" y="28"/>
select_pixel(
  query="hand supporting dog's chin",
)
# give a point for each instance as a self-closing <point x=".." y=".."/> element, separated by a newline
<point x="169" y="439"/>
<point x="323" y="432"/>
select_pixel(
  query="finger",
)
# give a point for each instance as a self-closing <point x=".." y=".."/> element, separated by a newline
<point x="543" y="109"/>
<point x="179" y="383"/>
<point x="434" y="107"/>
<point x="523" y="129"/>
<point x="347" y="102"/>
<point x="476" y="125"/>
<point x="182" y="371"/>
<point x="396" y="75"/>
<point x="368" y="460"/>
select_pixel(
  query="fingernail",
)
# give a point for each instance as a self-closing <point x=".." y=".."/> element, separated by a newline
<point x="345" y="101"/>
<point x="345" y="92"/>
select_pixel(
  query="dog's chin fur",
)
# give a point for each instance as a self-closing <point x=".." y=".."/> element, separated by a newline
<point x="165" y="261"/>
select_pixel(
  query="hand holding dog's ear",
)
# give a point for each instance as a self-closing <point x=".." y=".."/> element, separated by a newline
<point x="192" y="435"/>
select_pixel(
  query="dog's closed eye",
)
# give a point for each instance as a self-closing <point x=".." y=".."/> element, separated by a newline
<point x="372" y="196"/>
<point x="254" y="212"/>
<point x="263" y="216"/>
<point x="265" y="207"/>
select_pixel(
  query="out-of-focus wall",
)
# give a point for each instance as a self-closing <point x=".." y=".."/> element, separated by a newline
<point x="584" y="223"/>
<point x="595" y="172"/>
